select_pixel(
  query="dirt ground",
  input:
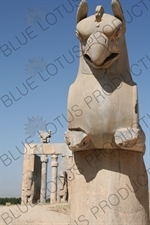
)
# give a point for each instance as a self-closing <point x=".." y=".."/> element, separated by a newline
<point x="35" y="215"/>
<point x="57" y="214"/>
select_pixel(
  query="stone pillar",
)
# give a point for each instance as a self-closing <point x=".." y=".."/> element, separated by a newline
<point x="44" y="160"/>
<point x="31" y="171"/>
<point x="67" y="165"/>
<point x="54" y="165"/>
<point x="108" y="185"/>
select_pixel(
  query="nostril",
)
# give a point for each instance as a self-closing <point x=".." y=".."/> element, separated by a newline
<point x="87" y="57"/>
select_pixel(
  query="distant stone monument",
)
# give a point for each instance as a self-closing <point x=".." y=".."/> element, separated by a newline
<point x="45" y="136"/>
<point x="34" y="183"/>
<point x="31" y="183"/>
<point x="110" y="185"/>
<point x="29" y="191"/>
<point x="62" y="192"/>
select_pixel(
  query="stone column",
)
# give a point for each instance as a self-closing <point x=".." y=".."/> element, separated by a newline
<point x="54" y="165"/>
<point x="44" y="160"/>
<point x="108" y="185"/>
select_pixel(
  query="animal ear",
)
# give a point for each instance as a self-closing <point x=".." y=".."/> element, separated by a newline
<point x="82" y="11"/>
<point x="117" y="10"/>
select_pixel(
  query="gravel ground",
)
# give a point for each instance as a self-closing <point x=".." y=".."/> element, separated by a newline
<point x="57" y="214"/>
<point x="35" y="215"/>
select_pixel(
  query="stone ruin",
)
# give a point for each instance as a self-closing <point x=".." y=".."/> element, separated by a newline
<point x="110" y="185"/>
<point x="35" y="184"/>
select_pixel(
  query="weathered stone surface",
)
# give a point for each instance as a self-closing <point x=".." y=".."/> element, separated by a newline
<point x="45" y="149"/>
<point x="49" y="148"/>
<point x="109" y="188"/>
<point x="28" y="190"/>
<point x="44" y="161"/>
<point x="126" y="137"/>
<point x="108" y="96"/>
<point x="31" y="183"/>
<point x="54" y="165"/>
<point x="45" y="136"/>
<point x="37" y="178"/>
<point x="67" y="166"/>
<point x="109" y="185"/>
<point x="62" y="192"/>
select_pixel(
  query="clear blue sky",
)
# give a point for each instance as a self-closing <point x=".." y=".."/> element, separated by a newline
<point x="34" y="34"/>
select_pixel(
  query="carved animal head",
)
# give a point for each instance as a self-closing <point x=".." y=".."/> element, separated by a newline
<point x="103" y="72"/>
<point x="101" y="35"/>
<point x="45" y="136"/>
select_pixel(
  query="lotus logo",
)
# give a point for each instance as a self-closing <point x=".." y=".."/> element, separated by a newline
<point x="35" y="65"/>
<point x="34" y="125"/>
<point x="35" y="14"/>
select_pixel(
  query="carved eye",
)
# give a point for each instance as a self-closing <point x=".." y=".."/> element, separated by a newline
<point x="119" y="32"/>
<point x="78" y="35"/>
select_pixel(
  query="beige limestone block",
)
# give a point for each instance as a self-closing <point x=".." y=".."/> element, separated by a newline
<point x="110" y="184"/>
<point x="103" y="98"/>
<point x="109" y="188"/>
